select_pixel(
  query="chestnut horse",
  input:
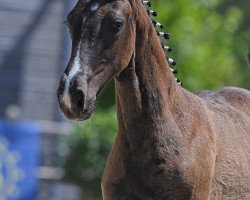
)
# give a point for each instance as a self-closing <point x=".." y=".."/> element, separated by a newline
<point x="171" y="144"/>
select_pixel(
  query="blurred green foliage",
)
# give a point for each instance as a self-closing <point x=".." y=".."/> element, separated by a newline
<point x="210" y="40"/>
<point x="89" y="146"/>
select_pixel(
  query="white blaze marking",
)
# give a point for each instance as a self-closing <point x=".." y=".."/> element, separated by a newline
<point x="75" y="68"/>
<point x="72" y="73"/>
<point x="94" y="6"/>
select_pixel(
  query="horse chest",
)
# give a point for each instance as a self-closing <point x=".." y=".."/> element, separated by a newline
<point x="150" y="184"/>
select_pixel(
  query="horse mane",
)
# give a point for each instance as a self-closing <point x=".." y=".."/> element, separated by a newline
<point x="163" y="37"/>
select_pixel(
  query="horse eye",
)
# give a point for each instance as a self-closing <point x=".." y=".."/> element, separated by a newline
<point x="117" y="25"/>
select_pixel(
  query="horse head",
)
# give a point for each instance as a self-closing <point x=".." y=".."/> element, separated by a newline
<point x="103" y="42"/>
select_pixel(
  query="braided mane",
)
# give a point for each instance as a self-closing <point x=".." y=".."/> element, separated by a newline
<point x="163" y="36"/>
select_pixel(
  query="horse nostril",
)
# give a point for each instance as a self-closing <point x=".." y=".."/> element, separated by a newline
<point x="79" y="99"/>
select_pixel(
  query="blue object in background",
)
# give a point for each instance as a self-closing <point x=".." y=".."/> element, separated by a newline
<point x="19" y="159"/>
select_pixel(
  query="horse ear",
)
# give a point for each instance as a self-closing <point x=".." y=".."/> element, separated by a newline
<point x="82" y="3"/>
<point x="79" y="7"/>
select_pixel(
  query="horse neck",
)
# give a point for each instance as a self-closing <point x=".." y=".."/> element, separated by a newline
<point x="146" y="90"/>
